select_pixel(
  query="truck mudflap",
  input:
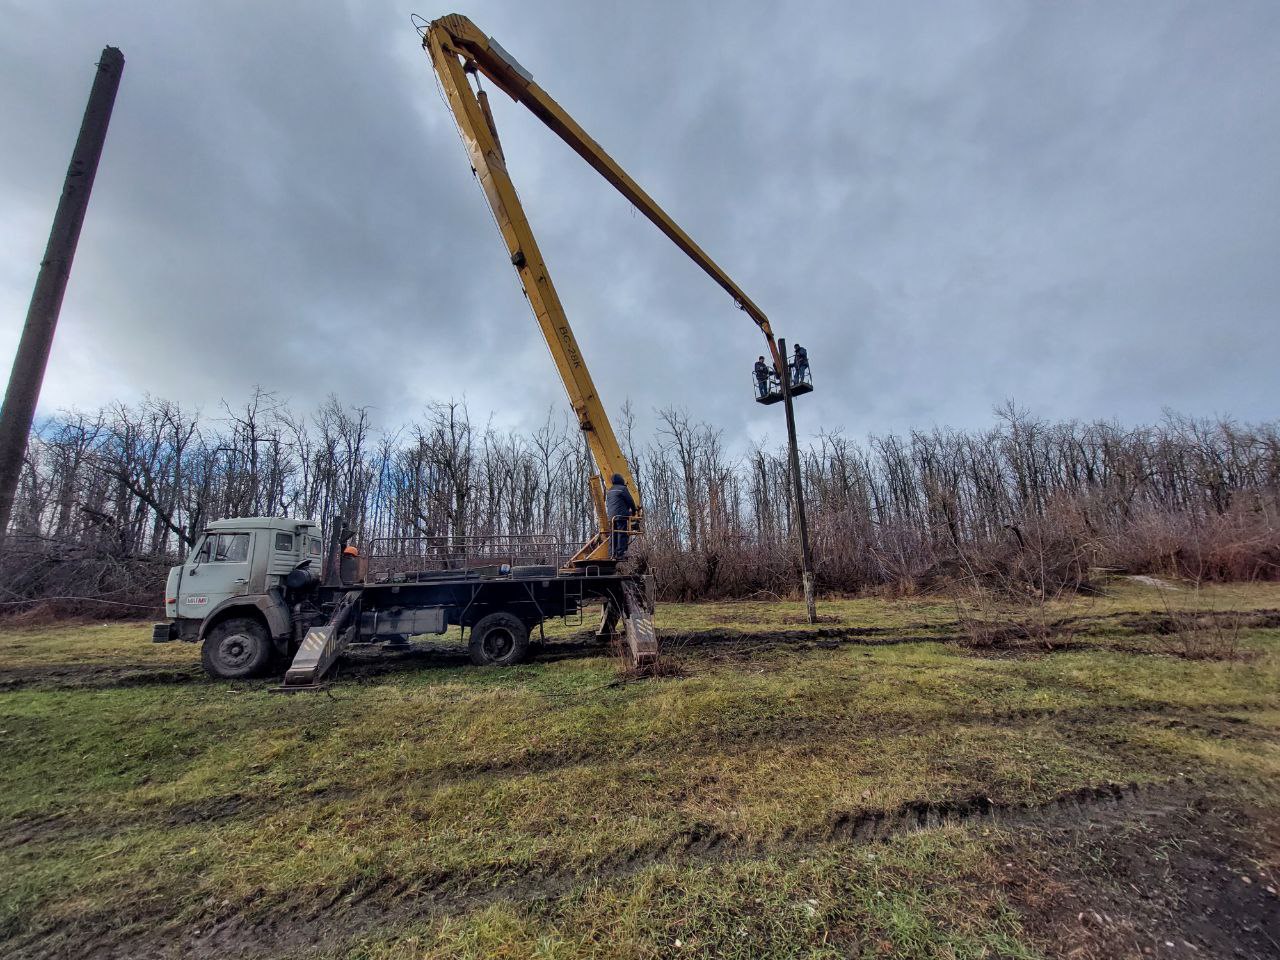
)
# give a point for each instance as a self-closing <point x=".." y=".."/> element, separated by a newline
<point x="322" y="646"/>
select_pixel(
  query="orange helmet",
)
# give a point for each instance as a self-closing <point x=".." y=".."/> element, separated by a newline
<point x="351" y="551"/>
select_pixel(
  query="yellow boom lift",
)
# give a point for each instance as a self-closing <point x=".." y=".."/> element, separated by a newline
<point x="459" y="49"/>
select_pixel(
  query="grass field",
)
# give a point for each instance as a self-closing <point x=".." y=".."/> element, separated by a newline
<point x="877" y="785"/>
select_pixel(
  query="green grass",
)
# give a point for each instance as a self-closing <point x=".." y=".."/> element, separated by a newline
<point x="822" y="906"/>
<point x="544" y="810"/>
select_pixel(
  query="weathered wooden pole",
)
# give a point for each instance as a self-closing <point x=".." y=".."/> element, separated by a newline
<point x="806" y="558"/>
<point x="51" y="283"/>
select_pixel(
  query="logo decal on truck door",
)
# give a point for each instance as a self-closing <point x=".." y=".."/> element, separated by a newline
<point x="198" y="601"/>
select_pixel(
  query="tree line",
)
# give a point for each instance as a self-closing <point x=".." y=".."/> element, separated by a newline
<point x="109" y="498"/>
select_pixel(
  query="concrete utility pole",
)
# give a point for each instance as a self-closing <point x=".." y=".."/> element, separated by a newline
<point x="806" y="558"/>
<point x="51" y="283"/>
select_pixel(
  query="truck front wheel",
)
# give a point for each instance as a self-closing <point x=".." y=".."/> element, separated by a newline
<point x="235" y="649"/>
<point x="499" y="640"/>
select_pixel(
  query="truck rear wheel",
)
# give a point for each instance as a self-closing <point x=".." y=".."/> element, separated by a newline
<point x="499" y="640"/>
<point x="235" y="649"/>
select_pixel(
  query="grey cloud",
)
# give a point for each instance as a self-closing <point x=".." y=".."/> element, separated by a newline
<point x="949" y="204"/>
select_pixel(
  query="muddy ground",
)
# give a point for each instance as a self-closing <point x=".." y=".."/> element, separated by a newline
<point x="1106" y="872"/>
<point x="1185" y="864"/>
<point x="1187" y="874"/>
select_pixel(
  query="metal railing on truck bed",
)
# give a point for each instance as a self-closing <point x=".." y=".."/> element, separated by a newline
<point x="391" y="558"/>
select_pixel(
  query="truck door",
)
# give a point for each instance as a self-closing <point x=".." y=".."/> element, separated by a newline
<point x="218" y="569"/>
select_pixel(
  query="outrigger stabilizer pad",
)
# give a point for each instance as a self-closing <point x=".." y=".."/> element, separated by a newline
<point x="321" y="647"/>
<point x="642" y="640"/>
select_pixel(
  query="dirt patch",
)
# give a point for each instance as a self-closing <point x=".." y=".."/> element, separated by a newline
<point x="61" y="827"/>
<point x="1215" y="726"/>
<point x="1162" y="624"/>
<point x="1208" y="720"/>
<point x="724" y="644"/>
<point x="767" y="615"/>
<point x="1194" y="880"/>
<point x="1012" y="643"/>
<point x="798" y="618"/>
<point x="96" y="676"/>
<point x="1025" y="650"/>
<point x="21" y="831"/>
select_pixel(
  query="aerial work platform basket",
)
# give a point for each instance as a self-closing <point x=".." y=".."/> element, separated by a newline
<point x="771" y="391"/>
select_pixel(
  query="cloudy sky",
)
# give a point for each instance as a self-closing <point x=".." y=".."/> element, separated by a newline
<point x="1072" y="204"/>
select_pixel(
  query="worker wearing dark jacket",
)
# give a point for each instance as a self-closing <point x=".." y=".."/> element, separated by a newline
<point x="799" y="366"/>
<point x="621" y="507"/>
<point x="762" y="377"/>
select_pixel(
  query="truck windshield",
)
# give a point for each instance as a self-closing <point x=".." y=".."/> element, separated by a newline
<point x="224" y="548"/>
<point x="232" y="548"/>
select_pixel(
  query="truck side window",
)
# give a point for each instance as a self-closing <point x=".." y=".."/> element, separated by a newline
<point x="314" y="546"/>
<point x="206" y="546"/>
<point x="284" y="541"/>
<point x="232" y="548"/>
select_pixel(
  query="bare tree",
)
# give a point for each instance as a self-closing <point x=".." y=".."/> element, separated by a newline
<point x="1031" y="502"/>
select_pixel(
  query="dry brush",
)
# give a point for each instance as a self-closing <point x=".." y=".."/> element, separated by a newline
<point x="108" y="498"/>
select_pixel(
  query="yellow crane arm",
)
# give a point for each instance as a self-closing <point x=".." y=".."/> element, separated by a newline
<point x="456" y="47"/>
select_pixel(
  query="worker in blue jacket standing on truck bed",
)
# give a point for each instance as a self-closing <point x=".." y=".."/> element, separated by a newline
<point x="621" y="507"/>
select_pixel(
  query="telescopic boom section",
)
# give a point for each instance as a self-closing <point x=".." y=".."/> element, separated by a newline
<point x="456" y="46"/>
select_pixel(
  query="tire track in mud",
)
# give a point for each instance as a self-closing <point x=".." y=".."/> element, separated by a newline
<point x="362" y="910"/>
<point x="90" y="676"/>
<point x="819" y="637"/>
<point x="1079" y="632"/>
<point x="704" y="845"/>
<point x="80" y="825"/>
<point x="1210" y="720"/>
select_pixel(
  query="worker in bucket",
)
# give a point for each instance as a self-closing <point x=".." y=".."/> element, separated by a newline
<point x="762" y="377"/>
<point x="621" y="507"/>
<point x="799" y="366"/>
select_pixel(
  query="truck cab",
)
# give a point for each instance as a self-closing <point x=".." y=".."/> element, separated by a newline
<point x="236" y="574"/>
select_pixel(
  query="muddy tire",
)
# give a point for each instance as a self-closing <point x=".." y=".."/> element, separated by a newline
<point x="236" y="648"/>
<point x="499" y="640"/>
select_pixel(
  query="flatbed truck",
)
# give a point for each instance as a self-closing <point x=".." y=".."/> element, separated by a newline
<point x="256" y="592"/>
